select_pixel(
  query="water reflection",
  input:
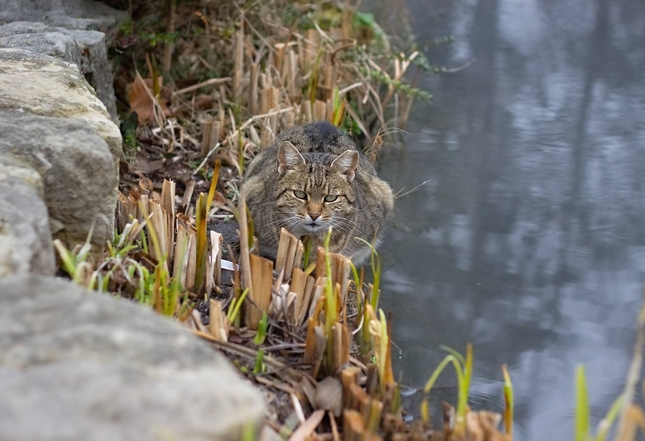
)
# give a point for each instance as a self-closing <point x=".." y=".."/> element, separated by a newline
<point x="528" y="240"/>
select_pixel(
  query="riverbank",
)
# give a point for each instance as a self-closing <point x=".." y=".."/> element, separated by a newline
<point x="224" y="93"/>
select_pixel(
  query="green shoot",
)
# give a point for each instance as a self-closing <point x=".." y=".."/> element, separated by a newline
<point x="359" y="291"/>
<point x="582" y="415"/>
<point x="202" y="207"/>
<point x="608" y="421"/>
<point x="463" y="369"/>
<point x="375" y="262"/>
<point x="260" y="336"/>
<point x="234" y="309"/>
<point x="457" y="355"/>
<point x="396" y="402"/>
<point x="508" y="399"/>
<point x="582" y="406"/>
<point x="259" y="364"/>
<point x="338" y="108"/>
<point x="75" y="263"/>
<point x="152" y="232"/>
<point x="381" y="353"/>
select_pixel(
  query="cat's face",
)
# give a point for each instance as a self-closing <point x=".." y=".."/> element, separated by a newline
<point x="315" y="190"/>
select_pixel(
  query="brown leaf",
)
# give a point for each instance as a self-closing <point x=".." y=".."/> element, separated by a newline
<point x="219" y="199"/>
<point x="203" y="102"/>
<point x="140" y="99"/>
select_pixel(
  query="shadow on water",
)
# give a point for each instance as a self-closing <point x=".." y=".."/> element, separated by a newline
<point x="529" y="238"/>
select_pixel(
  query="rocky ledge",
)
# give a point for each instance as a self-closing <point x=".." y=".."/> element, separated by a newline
<point x="76" y="365"/>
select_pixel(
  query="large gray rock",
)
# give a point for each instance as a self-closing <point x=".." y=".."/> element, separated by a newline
<point x="76" y="365"/>
<point x="77" y="171"/>
<point x="46" y="40"/>
<point x="71" y="14"/>
<point x="25" y="239"/>
<point x="86" y="49"/>
<point x="83" y="181"/>
<point x="43" y="85"/>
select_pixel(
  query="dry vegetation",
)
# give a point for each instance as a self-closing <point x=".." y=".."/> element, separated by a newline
<point x="203" y="86"/>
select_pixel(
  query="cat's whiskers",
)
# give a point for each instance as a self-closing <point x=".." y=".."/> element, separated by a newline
<point x="339" y="226"/>
<point x="285" y="222"/>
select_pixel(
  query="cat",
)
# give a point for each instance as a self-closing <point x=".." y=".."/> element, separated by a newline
<point x="311" y="178"/>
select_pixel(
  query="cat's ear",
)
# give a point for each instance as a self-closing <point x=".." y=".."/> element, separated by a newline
<point x="346" y="163"/>
<point x="288" y="157"/>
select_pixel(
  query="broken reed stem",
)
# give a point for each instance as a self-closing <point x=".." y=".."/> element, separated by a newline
<point x="169" y="212"/>
<point x="260" y="296"/>
<point x="194" y="87"/>
<point x="218" y="326"/>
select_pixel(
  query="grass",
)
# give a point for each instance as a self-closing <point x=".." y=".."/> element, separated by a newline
<point x="582" y="407"/>
<point x="508" y="401"/>
<point x="463" y="369"/>
<point x="582" y="412"/>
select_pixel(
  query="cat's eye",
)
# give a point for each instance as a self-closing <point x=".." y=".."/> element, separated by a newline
<point x="330" y="198"/>
<point x="300" y="194"/>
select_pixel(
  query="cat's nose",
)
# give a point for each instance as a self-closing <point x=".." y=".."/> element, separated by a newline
<point x="314" y="216"/>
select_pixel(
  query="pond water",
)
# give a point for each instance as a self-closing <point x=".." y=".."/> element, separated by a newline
<point x="529" y="238"/>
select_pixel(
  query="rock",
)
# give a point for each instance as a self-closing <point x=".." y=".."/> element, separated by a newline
<point x="86" y="49"/>
<point x="329" y="396"/>
<point x="42" y="39"/>
<point x="42" y="85"/>
<point x="77" y="365"/>
<point x="71" y="14"/>
<point x="25" y="238"/>
<point x="96" y="69"/>
<point x="77" y="172"/>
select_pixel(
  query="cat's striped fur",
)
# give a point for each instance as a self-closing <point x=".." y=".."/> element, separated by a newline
<point x="311" y="178"/>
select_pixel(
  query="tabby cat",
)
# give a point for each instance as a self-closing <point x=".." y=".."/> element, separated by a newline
<point x="312" y="178"/>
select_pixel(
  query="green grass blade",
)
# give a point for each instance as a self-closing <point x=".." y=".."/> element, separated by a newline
<point x="608" y="421"/>
<point x="259" y="365"/>
<point x="508" y="399"/>
<point x="435" y="374"/>
<point x="234" y="309"/>
<point x="582" y="406"/>
<point x="375" y="262"/>
<point x="262" y="330"/>
<point x="457" y="355"/>
<point x="66" y="258"/>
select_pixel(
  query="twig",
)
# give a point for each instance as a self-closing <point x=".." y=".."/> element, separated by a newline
<point x="202" y="84"/>
<point x="251" y="354"/>
<point x="284" y="346"/>
<point x="302" y="433"/>
<point x="208" y="155"/>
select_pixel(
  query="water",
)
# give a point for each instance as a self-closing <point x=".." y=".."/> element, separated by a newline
<point x="529" y="239"/>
